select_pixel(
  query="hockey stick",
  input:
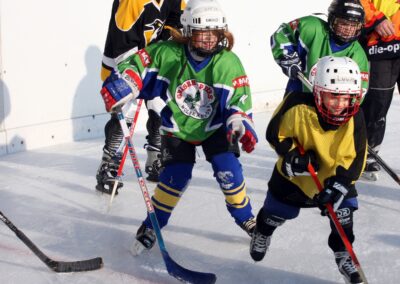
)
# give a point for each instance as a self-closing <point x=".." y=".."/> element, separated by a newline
<point x="384" y="165"/>
<point x="56" y="266"/>
<point x="124" y="145"/>
<point x="174" y="269"/>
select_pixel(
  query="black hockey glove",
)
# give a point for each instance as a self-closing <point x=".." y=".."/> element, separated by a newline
<point x="291" y="65"/>
<point x="334" y="193"/>
<point x="295" y="164"/>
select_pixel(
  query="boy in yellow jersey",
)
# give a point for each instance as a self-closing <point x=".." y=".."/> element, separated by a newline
<point x="332" y="133"/>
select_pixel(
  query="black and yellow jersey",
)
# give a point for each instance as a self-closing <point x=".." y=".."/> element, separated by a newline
<point x="136" y="23"/>
<point x="341" y="150"/>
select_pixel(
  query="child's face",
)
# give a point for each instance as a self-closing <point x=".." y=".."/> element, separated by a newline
<point x="345" y="28"/>
<point x="206" y="40"/>
<point x="335" y="103"/>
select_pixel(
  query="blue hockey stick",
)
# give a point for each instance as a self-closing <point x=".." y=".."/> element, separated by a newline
<point x="174" y="269"/>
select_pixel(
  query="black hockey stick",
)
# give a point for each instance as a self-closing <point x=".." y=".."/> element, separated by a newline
<point x="384" y="165"/>
<point x="56" y="266"/>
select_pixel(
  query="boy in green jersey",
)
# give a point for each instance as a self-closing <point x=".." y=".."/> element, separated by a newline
<point x="208" y="104"/>
<point x="297" y="46"/>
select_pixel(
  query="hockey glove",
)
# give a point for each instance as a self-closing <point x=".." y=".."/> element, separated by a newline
<point x="120" y="88"/>
<point x="291" y="65"/>
<point x="334" y="193"/>
<point x="241" y="128"/>
<point x="295" y="164"/>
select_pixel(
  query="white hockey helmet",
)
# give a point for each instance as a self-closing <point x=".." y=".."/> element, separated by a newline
<point x="201" y="16"/>
<point x="337" y="89"/>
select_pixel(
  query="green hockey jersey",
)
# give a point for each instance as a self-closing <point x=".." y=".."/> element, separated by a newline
<point x="309" y="37"/>
<point x="199" y="96"/>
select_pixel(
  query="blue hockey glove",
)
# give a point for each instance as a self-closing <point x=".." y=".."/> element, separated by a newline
<point x="295" y="164"/>
<point x="120" y="88"/>
<point x="291" y="65"/>
<point x="241" y="128"/>
<point x="334" y="193"/>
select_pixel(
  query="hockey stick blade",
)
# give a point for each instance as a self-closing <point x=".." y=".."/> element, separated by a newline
<point x="182" y="274"/>
<point x="75" y="266"/>
<point x="185" y="275"/>
<point x="56" y="266"/>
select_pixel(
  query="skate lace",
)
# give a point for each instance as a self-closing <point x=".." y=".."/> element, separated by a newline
<point x="349" y="267"/>
<point x="260" y="243"/>
<point x="249" y="225"/>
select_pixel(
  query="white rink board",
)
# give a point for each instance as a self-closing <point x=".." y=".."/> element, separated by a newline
<point x="50" y="58"/>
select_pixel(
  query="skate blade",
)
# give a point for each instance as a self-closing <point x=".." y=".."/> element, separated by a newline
<point x="137" y="248"/>
<point x="370" y="176"/>
<point x="102" y="190"/>
<point x="347" y="281"/>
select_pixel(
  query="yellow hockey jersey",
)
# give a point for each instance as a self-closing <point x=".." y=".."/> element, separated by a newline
<point x="341" y="150"/>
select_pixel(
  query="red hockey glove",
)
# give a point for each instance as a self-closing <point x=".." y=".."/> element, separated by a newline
<point x="241" y="128"/>
<point x="120" y="88"/>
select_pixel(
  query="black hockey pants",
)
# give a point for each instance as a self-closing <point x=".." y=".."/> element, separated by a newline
<point x="383" y="77"/>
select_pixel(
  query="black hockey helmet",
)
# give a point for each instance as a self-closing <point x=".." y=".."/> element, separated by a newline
<point x="345" y="20"/>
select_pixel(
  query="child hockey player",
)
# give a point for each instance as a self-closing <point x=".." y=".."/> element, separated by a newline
<point x="134" y="25"/>
<point x="298" y="45"/>
<point x="332" y="132"/>
<point x="208" y="104"/>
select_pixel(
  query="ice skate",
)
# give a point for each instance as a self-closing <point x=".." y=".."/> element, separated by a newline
<point x="347" y="268"/>
<point x="371" y="170"/>
<point x="259" y="245"/>
<point x="107" y="175"/>
<point x="145" y="240"/>
<point x="248" y="226"/>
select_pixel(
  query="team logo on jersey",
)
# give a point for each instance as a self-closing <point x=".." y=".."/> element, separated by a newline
<point x="365" y="76"/>
<point x="144" y="57"/>
<point x="241" y="82"/>
<point x="153" y="30"/>
<point x="195" y="99"/>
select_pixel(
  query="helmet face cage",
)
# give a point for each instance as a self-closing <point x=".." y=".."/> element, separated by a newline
<point x="345" y="20"/>
<point x="345" y="30"/>
<point x="337" y="89"/>
<point x="337" y="108"/>
<point x="206" y="42"/>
